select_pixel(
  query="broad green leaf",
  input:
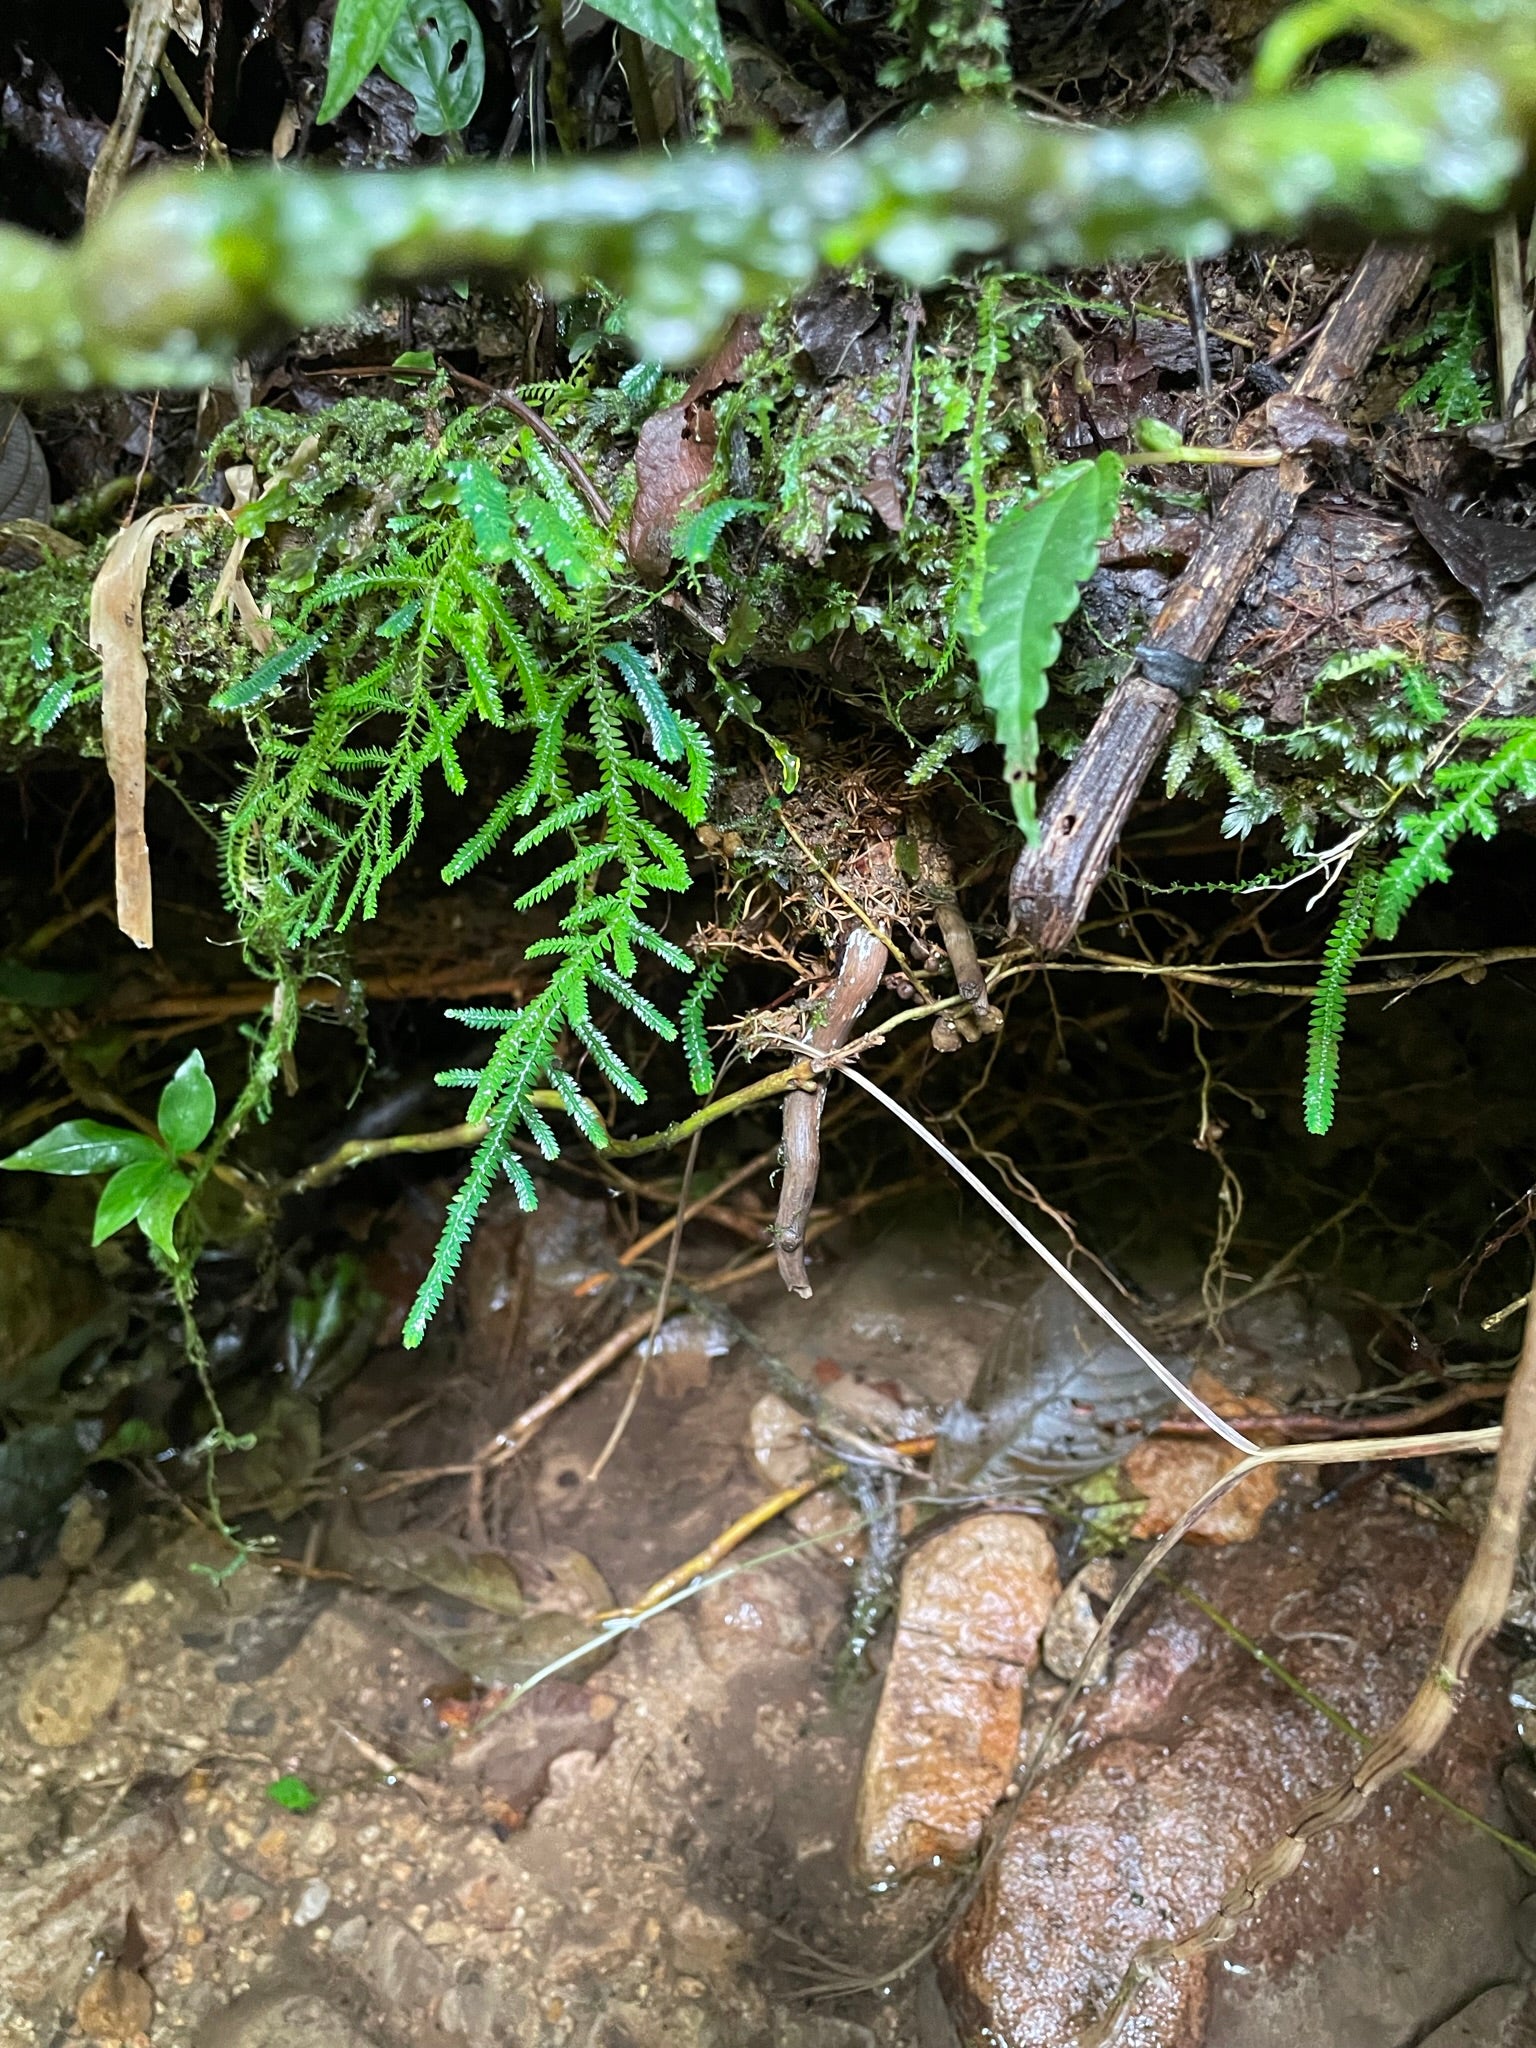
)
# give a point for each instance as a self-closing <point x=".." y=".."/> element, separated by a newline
<point x="159" y="1210"/>
<point x="485" y="504"/>
<point x="437" y="53"/>
<point x="187" y="1105"/>
<point x="268" y="673"/>
<point x="1039" y="555"/>
<point x="361" y="29"/>
<point x="689" y="28"/>
<point x="82" y="1147"/>
<point x="125" y="1194"/>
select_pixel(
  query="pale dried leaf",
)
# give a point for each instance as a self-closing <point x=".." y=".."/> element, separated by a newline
<point x="117" y="635"/>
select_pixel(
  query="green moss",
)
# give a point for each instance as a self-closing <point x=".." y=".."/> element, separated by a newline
<point x="44" y="642"/>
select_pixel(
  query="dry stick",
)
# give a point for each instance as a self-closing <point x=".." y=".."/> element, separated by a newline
<point x="1476" y="1612"/>
<point x="149" y="28"/>
<point x="1053" y="880"/>
<point x="858" y="978"/>
<point x="758" y="1517"/>
<point x="1298" y="1427"/>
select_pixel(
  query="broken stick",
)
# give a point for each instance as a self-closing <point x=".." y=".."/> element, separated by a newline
<point x="1054" y="880"/>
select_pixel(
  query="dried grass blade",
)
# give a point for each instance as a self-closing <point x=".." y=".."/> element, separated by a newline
<point x="117" y="635"/>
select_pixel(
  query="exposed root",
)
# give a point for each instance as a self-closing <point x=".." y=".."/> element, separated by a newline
<point x="864" y="961"/>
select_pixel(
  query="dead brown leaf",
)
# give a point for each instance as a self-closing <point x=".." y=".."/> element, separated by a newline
<point x="673" y="463"/>
<point x="117" y="635"/>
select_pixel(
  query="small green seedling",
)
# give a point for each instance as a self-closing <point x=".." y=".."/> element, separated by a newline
<point x="148" y="1185"/>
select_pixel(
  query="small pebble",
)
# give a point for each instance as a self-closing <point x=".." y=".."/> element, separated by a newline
<point x="350" y="1936"/>
<point x="313" y="1900"/>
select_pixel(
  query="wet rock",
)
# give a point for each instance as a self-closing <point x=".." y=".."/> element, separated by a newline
<point x="251" y="1716"/>
<point x="1193" y="1761"/>
<point x="1429" y="1948"/>
<point x="755" y="1614"/>
<point x="26" y="1603"/>
<point x="282" y="2019"/>
<point x="84" y="1530"/>
<point x="312" y="1903"/>
<point x="512" y="1759"/>
<point x="261" y="1643"/>
<point x="43" y="1301"/>
<point x="1075" y="1617"/>
<point x="1285" y="1347"/>
<point x="49" y="1928"/>
<point x="1484" y="2023"/>
<point x="973" y="1604"/>
<point x="116" y="2005"/>
<point x="401" y="1969"/>
<point x="783" y="1454"/>
<point x="910" y="1307"/>
<point x="70" y="1691"/>
<point x="1171" y="1473"/>
<point x="819" y="2030"/>
<point x="350" y="1936"/>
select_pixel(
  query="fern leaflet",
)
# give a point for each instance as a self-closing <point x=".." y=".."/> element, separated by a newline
<point x="1325" y="1032"/>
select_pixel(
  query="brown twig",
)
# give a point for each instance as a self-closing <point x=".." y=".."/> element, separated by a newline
<point x="858" y="977"/>
<point x="1298" y="1428"/>
<point x="1054" y="879"/>
<point x="746" y="1525"/>
<point x="509" y="401"/>
<point x="149" y="28"/>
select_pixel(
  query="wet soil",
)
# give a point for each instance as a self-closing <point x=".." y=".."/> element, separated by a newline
<point x="634" y="1856"/>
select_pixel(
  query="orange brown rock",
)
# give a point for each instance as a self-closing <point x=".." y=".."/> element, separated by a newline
<point x="1171" y="1473"/>
<point x="945" y="1739"/>
<point x="1192" y="1760"/>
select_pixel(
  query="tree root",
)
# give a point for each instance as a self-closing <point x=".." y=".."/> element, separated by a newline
<point x="858" y="977"/>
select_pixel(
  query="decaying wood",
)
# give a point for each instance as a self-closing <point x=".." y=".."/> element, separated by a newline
<point x="1054" y="880"/>
<point x="858" y="977"/>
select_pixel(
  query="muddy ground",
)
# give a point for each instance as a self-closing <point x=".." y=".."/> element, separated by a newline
<point x="640" y="1854"/>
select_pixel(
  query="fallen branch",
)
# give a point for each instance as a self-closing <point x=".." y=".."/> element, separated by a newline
<point x="1054" y="879"/>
